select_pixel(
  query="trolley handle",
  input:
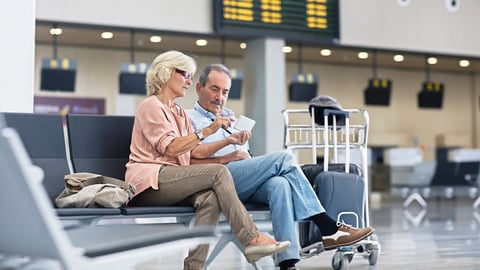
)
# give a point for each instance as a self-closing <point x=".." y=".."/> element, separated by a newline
<point x="327" y="112"/>
<point x="346" y="114"/>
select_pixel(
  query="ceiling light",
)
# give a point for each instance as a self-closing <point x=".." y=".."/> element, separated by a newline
<point x="56" y="31"/>
<point x="201" y="42"/>
<point x="107" y="35"/>
<point x="155" y="39"/>
<point x="325" y="52"/>
<point x="398" y="58"/>
<point x="464" y="63"/>
<point x="243" y="45"/>
<point x="362" y="55"/>
<point x="287" y="49"/>
<point x="432" y="60"/>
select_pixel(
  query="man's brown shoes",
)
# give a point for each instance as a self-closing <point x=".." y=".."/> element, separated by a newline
<point x="345" y="236"/>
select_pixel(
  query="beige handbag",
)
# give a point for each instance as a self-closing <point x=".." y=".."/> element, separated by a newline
<point x="89" y="190"/>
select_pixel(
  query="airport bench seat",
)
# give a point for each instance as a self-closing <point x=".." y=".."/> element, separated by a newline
<point x="443" y="179"/>
<point x="101" y="144"/>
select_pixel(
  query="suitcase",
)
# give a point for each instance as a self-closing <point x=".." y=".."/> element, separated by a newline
<point x="339" y="187"/>
<point x="342" y="196"/>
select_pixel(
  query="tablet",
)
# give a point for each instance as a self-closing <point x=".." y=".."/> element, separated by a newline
<point x="244" y="123"/>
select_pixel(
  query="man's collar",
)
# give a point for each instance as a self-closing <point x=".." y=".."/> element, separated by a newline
<point x="203" y="112"/>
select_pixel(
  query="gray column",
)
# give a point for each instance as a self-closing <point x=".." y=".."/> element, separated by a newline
<point x="265" y="93"/>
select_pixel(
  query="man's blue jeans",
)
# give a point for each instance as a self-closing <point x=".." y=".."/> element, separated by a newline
<point x="277" y="180"/>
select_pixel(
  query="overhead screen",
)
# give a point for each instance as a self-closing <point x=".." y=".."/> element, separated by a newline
<point x="58" y="74"/>
<point x="303" y="87"/>
<point x="299" y="19"/>
<point x="431" y="95"/>
<point x="132" y="79"/>
<point x="132" y="83"/>
<point x="237" y="82"/>
<point x="378" y="92"/>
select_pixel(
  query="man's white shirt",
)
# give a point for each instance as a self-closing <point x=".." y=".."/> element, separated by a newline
<point x="202" y="118"/>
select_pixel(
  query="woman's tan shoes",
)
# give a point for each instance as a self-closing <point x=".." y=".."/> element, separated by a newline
<point x="254" y="253"/>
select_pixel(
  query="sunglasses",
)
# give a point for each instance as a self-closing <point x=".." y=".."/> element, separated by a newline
<point x="186" y="75"/>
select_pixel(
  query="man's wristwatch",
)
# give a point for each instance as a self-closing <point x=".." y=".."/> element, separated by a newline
<point x="199" y="135"/>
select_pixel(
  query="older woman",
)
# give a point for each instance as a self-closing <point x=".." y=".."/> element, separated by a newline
<point x="163" y="141"/>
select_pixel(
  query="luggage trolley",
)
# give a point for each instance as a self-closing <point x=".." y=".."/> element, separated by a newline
<point x="316" y="136"/>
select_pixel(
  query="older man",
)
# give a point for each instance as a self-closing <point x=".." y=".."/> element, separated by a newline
<point x="274" y="179"/>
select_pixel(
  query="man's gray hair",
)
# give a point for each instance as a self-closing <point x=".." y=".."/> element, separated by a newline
<point x="206" y="71"/>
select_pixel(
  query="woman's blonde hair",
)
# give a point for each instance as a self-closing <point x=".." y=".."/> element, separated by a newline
<point x="164" y="65"/>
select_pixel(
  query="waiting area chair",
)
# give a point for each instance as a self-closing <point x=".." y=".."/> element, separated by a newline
<point x="29" y="226"/>
<point x="44" y="139"/>
<point x="418" y="183"/>
<point x="446" y="179"/>
<point x="100" y="144"/>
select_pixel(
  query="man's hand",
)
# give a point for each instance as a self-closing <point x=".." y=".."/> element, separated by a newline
<point x="218" y="123"/>
<point x="240" y="137"/>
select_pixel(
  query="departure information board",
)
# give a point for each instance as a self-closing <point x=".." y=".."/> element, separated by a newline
<point x="299" y="19"/>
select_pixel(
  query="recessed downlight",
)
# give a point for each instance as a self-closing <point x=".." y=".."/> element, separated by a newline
<point x="201" y="42"/>
<point x="432" y="60"/>
<point x="155" y="39"/>
<point x="107" y="35"/>
<point x="287" y="49"/>
<point x="398" y="58"/>
<point x="325" y="52"/>
<point x="362" y="55"/>
<point x="464" y="63"/>
<point x="56" y="31"/>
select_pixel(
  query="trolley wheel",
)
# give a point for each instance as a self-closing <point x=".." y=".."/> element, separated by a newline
<point x="372" y="259"/>
<point x="340" y="261"/>
<point x="373" y="250"/>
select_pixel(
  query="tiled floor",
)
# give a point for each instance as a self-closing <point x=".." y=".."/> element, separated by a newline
<point x="447" y="237"/>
